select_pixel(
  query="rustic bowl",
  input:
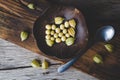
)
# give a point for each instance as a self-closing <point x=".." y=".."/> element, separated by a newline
<point x="61" y="51"/>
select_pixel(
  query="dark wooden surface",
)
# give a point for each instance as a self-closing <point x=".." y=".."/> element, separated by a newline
<point x="15" y="18"/>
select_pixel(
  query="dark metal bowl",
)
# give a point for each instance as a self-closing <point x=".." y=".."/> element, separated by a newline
<point x="61" y="51"/>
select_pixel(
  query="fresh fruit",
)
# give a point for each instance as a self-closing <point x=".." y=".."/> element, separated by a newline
<point x="69" y="41"/>
<point x="109" y="47"/>
<point x="31" y="6"/>
<point x="35" y="63"/>
<point x="50" y="43"/>
<point x="58" y="20"/>
<point x="66" y="24"/>
<point x="45" y="64"/>
<point x="71" y="31"/>
<point x="72" y="23"/>
<point x="23" y="35"/>
<point x="97" y="59"/>
<point x="60" y="30"/>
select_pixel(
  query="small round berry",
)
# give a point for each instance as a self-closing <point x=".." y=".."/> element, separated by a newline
<point x="52" y="38"/>
<point x="62" y="26"/>
<point x="55" y="35"/>
<point x="57" y="30"/>
<point x="63" y="38"/>
<point x="52" y="33"/>
<point x="67" y="35"/>
<point x="58" y="40"/>
<point x="48" y="26"/>
<point x="66" y="24"/>
<point x="64" y="31"/>
<point x="53" y="27"/>
<point x="60" y="34"/>
<point x="47" y="36"/>
<point x="47" y="31"/>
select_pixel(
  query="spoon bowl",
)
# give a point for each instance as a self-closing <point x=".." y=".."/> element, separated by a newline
<point x="105" y="33"/>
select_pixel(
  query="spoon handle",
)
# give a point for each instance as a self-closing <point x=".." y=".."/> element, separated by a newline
<point x="67" y="65"/>
<point x="70" y="63"/>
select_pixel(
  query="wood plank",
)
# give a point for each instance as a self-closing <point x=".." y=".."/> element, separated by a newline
<point x="15" y="65"/>
<point x="39" y="74"/>
<point x="96" y="13"/>
<point x="12" y="56"/>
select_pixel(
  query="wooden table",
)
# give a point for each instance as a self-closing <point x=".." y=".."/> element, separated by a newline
<point x="16" y="17"/>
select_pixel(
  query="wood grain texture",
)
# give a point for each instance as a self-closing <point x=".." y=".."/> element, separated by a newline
<point x="97" y="14"/>
<point x="16" y="18"/>
<point x="15" y="65"/>
<point x="100" y="10"/>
